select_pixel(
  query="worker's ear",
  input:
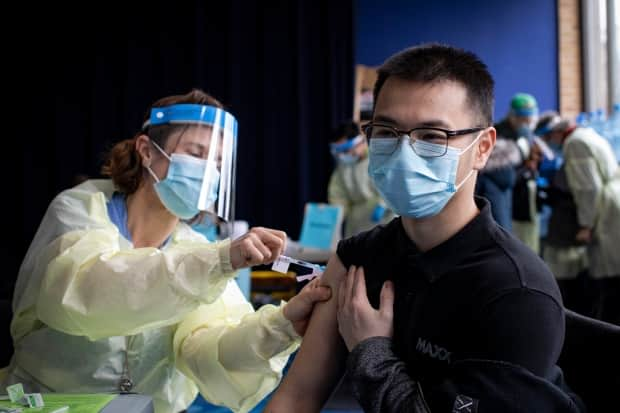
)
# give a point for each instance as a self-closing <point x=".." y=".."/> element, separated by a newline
<point x="484" y="147"/>
<point x="145" y="150"/>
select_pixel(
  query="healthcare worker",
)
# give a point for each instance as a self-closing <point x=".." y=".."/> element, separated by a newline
<point x="563" y="253"/>
<point x="350" y="186"/>
<point x="593" y="178"/>
<point x="118" y="294"/>
<point x="518" y="127"/>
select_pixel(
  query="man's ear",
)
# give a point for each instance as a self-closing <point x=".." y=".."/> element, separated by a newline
<point x="485" y="146"/>
<point x="144" y="147"/>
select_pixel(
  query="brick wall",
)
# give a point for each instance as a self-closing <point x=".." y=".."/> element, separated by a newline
<point x="569" y="58"/>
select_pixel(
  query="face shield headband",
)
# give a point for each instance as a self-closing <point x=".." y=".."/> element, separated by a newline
<point x="346" y="146"/>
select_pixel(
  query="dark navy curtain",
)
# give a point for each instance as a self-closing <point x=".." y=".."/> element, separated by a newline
<point x="85" y="74"/>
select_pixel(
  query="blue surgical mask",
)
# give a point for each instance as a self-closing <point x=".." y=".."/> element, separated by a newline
<point x="524" y="130"/>
<point x="180" y="190"/>
<point x="414" y="186"/>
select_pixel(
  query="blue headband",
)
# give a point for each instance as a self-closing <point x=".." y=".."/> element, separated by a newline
<point x="189" y="113"/>
<point x="543" y="130"/>
<point x="525" y="111"/>
<point x="345" y="146"/>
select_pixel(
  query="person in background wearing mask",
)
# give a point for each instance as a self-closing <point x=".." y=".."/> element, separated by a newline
<point x="564" y="254"/>
<point x="517" y="126"/>
<point x="497" y="180"/>
<point x="350" y="186"/>
<point x="593" y="178"/>
<point x="441" y="309"/>
<point x="118" y="294"/>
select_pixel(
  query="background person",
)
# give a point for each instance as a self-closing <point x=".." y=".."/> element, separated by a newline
<point x="518" y="126"/>
<point x="593" y="178"/>
<point x="350" y="186"/>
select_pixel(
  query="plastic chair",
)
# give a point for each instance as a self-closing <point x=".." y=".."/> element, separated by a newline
<point x="590" y="360"/>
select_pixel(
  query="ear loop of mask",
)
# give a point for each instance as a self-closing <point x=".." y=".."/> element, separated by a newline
<point x="148" y="168"/>
<point x="457" y="187"/>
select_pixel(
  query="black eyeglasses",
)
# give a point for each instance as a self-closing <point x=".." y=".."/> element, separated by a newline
<point x="426" y="141"/>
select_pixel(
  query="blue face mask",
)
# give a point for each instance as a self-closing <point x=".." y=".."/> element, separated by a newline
<point x="411" y="185"/>
<point x="180" y="190"/>
<point x="524" y="130"/>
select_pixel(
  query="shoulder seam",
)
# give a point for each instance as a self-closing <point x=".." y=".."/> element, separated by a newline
<point x="515" y="263"/>
<point x="508" y="291"/>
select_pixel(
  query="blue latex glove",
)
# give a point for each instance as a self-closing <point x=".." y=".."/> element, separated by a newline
<point x="377" y="213"/>
<point x="542" y="182"/>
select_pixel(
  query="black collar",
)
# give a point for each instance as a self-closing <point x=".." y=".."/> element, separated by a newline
<point x="446" y="256"/>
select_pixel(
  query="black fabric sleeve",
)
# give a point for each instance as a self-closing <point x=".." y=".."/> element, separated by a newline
<point x="524" y="327"/>
<point x="380" y="380"/>
<point x="349" y="249"/>
<point x="381" y="384"/>
<point x="363" y="248"/>
<point x="354" y="250"/>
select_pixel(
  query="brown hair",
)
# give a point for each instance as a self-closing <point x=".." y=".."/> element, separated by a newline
<point x="124" y="164"/>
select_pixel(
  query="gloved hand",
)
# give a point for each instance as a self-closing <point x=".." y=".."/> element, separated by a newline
<point x="377" y="213"/>
<point x="299" y="309"/>
<point x="258" y="246"/>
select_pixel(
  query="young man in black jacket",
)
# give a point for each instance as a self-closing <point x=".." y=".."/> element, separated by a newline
<point x="441" y="309"/>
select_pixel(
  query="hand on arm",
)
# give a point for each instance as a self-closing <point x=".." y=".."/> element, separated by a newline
<point x="357" y="320"/>
<point x="379" y="379"/>
<point x="320" y="361"/>
<point x="235" y="355"/>
<point x="519" y="354"/>
<point x="299" y="309"/>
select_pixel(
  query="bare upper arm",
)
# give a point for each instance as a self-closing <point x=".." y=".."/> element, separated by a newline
<point x="320" y="361"/>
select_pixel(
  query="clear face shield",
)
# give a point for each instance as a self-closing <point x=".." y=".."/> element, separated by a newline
<point x="201" y="174"/>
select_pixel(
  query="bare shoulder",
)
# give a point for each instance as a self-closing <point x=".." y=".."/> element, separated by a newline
<point x="334" y="273"/>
